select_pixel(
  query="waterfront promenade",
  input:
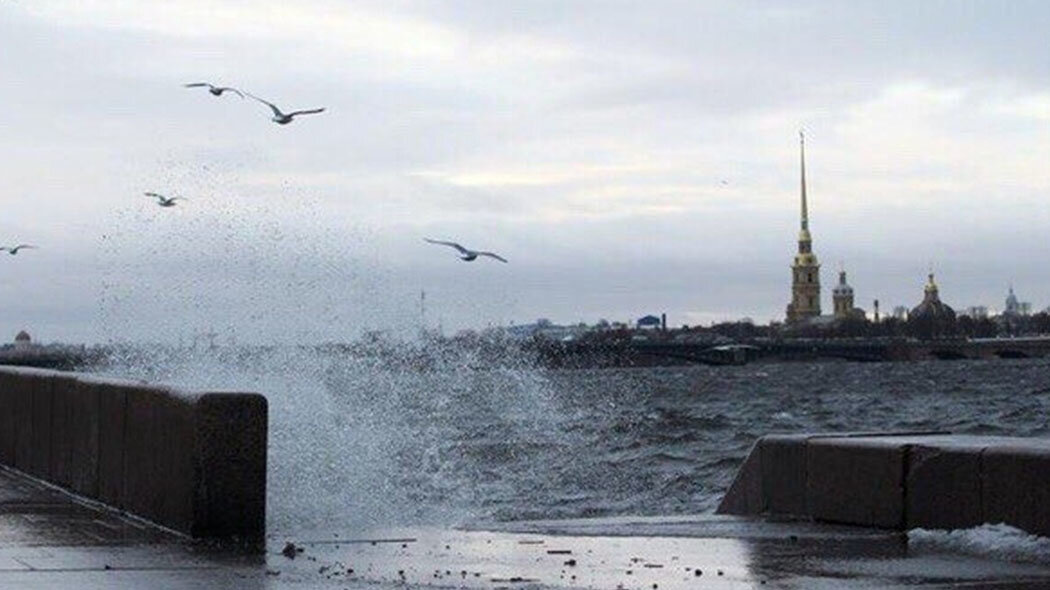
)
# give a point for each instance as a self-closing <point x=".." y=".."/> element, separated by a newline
<point x="49" y="539"/>
<point x="92" y="464"/>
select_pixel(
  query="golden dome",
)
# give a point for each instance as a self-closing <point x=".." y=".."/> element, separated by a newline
<point x="931" y="286"/>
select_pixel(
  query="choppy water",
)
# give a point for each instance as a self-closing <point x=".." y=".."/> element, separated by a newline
<point x="356" y="445"/>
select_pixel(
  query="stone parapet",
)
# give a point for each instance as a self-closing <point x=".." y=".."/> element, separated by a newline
<point x="194" y="462"/>
<point x="897" y="480"/>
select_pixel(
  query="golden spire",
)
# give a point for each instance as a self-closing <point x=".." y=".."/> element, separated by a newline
<point x="805" y="210"/>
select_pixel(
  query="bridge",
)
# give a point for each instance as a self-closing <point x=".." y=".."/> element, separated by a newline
<point x="656" y="352"/>
<point x="903" y="349"/>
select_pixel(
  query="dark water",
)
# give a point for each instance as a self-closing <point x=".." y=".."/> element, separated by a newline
<point x="354" y="445"/>
<point x="665" y="441"/>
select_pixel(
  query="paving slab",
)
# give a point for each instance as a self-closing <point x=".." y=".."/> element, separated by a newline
<point x="49" y="539"/>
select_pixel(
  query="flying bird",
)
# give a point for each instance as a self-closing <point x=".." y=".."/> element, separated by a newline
<point x="14" y="250"/>
<point x="164" y="201"/>
<point x="282" y="118"/>
<point x="467" y="254"/>
<point x="215" y="90"/>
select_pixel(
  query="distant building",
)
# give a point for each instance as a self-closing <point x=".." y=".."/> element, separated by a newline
<point x="1014" y="307"/>
<point x="23" y="341"/>
<point x="842" y="299"/>
<point x="900" y="313"/>
<point x="805" y="271"/>
<point x="544" y="328"/>
<point x="977" y="312"/>
<point x="649" y="322"/>
<point x="932" y="318"/>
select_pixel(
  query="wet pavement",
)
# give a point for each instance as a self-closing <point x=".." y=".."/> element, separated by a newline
<point x="50" y="540"/>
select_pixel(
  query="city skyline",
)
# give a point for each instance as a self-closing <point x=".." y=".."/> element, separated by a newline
<point x="625" y="160"/>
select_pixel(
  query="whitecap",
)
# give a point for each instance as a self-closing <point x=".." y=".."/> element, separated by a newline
<point x="995" y="541"/>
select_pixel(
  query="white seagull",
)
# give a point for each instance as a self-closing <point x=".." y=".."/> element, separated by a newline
<point x="215" y="90"/>
<point x="467" y="254"/>
<point x="164" y="201"/>
<point x="13" y="251"/>
<point x="284" y="118"/>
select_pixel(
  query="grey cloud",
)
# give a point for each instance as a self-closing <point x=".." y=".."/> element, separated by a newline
<point x="623" y="123"/>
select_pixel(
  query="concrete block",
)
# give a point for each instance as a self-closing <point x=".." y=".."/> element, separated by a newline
<point x="22" y="407"/>
<point x="63" y="394"/>
<point x="943" y="487"/>
<point x="84" y="436"/>
<point x="232" y="436"/>
<point x="143" y="477"/>
<point x="8" y="383"/>
<point x="784" y="471"/>
<point x="112" y="420"/>
<point x="43" y="415"/>
<point x="159" y="477"/>
<point x="180" y="458"/>
<point x="856" y="481"/>
<point x="1015" y="487"/>
<point x="192" y="462"/>
<point x="745" y="496"/>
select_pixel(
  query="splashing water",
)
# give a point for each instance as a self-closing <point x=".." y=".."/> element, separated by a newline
<point x="361" y="441"/>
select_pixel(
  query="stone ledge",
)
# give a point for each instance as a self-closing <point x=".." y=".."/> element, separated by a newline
<point x="897" y="480"/>
<point x="194" y="462"/>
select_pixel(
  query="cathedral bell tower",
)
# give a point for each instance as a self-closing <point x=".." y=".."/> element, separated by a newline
<point x="842" y="297"/>
<point x="805" y="272"/>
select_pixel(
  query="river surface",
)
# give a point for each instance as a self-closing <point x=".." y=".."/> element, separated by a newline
<point x="355" y="446"/>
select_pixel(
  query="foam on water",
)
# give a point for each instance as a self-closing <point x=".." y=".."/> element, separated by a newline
<point x="995" y="541"/>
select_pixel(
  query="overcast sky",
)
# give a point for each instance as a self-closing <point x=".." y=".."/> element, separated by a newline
<point x="627" y="157"/>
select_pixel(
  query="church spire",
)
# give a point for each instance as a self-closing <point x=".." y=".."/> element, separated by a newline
<point x="805" y="282"/>
<point x="802" y="157"/>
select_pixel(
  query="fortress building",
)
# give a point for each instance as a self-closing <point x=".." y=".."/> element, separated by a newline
<point x="805" y="272"/>
<point x="932" y="318"/>
<point x="842" y="296"/>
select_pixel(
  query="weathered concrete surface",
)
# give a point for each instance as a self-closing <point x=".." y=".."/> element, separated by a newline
<point x="855" y="481"/>
<point x="48" y="540"/>
<point x="749" y="497"/>
<point x="944" y="488"/>
<point x="1015" y="486"/>
<point x="782" y="463"/>
<point x="898" y="481"/>
<point x="232" y="438"/>
<point x="192" y="461"/>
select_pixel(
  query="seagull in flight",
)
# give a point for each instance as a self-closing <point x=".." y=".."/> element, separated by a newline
<point x="467" y="254"/>
<point x="282" y="118"/>
<point x="215" y="90"/>
<point x="13" y="251"/>
<point x="164" y="201"/>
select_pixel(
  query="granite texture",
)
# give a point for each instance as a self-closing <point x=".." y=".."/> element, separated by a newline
<point x="194" y="462"/>
<point x="898" y="480"/>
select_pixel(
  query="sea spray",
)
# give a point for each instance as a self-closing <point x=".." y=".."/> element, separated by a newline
<point x="386" y="433"/>
<point x="362" y="439"/>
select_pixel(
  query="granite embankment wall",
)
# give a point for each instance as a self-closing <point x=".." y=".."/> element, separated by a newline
<point x="192" y="462"/>
<point x="897" y="481"/>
